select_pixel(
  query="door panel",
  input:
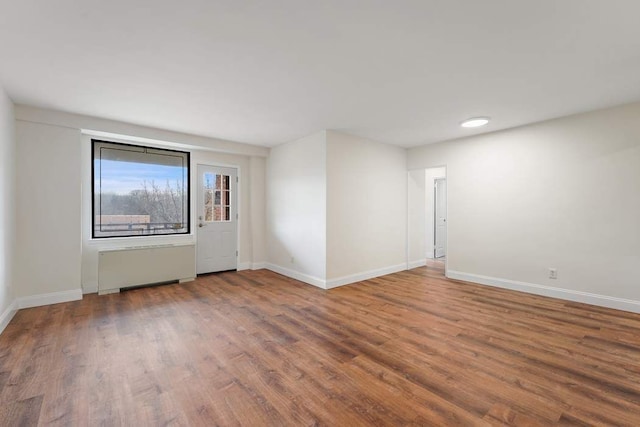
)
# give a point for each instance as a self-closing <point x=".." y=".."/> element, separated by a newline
<point x="440" y="243"/>
<point x="228" y="244"/>
<point x="217" y="223"/>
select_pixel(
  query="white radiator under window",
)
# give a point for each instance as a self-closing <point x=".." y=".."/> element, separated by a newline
<point x="121" y="268"/>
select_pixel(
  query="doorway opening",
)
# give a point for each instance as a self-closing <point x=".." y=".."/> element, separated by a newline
<point x="427" y="218"/>
<point x="440" y="218"/>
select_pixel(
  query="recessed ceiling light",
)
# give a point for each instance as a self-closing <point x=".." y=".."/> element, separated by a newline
<point x="475" y="122"/>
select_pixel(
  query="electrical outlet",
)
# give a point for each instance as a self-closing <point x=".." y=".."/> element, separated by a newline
<point x="292" y="260"/>
<point x="553" y="273"/>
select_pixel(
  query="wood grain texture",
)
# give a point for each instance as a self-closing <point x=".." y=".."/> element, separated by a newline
<point x="255" y="348"/>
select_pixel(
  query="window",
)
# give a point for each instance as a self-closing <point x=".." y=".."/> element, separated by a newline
<point x="139" y="191"/>
<point x="217" y="206"/>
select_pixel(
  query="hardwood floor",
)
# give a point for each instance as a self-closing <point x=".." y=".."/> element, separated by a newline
<point x="255" y="348"/>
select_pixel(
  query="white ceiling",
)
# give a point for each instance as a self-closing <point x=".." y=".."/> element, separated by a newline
<point x="266" y="72"/>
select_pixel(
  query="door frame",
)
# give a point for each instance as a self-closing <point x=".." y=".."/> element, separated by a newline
<point x="194" y="205"/>
<point x="425" y="219"/>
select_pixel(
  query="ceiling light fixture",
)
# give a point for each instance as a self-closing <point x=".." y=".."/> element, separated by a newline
<point x="475" y="122"/>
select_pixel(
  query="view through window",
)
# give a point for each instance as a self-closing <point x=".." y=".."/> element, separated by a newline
<point x="217" y="198"/>
<point x="139" y="191"/>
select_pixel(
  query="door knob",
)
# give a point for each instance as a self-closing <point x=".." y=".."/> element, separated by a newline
<point x="201" y="225"/>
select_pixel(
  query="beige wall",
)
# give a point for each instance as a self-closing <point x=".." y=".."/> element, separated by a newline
<point x="563" y="193"/>
<point x="296" y="208"/>
<point x="366" y="208"/>
<point x="7" y="205"/>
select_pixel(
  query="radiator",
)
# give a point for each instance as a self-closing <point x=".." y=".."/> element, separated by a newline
<point x="121" y="268"/>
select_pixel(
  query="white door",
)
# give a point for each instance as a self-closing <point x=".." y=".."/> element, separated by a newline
<point x="217" y="219"/>
<point x="440" y="232"/>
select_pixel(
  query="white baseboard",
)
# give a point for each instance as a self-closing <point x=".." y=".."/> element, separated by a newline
<point x="251" y="266"/>
<point x="37" y="301"/>
<point x="340" y="281"/>
<point x="550" y="291"/>
<point x="7" y="315"/>
<point x="311" y="280"/>
<point x="417" y="263"/>
<point x="47" y="299"/>
<point x="365" y="275"/>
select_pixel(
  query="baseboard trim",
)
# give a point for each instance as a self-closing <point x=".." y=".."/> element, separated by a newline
<point x="7" y="315"/>
<point x="311" y="280"/>
<point x="365" y="275"/>
<point x="47" y="299"/>
<point x="550" y="291"/>
<point x="416" y="263"/>
<point x="251" y="265"/>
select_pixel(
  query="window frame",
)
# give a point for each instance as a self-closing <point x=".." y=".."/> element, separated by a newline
<point x="93" y="191"/>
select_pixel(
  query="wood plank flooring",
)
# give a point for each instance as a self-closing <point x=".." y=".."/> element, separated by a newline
<point x="255" y="348"/>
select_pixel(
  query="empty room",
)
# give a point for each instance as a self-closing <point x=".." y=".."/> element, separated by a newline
<point x="330" y="213"/>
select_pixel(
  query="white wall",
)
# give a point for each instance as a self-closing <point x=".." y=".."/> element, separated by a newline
<point x="48" y="232"/>
<point x="54" y="188"/>
<point x="563" y="193"/>
<point x="366" y="208"/>
<point x="7" y="205"/>
<point x="141" y="133"/>
<point x="296" y="208"/>
<point x="336" y="209"/>
<point x="417" y="217"/>
<point x="257" y="187"/>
